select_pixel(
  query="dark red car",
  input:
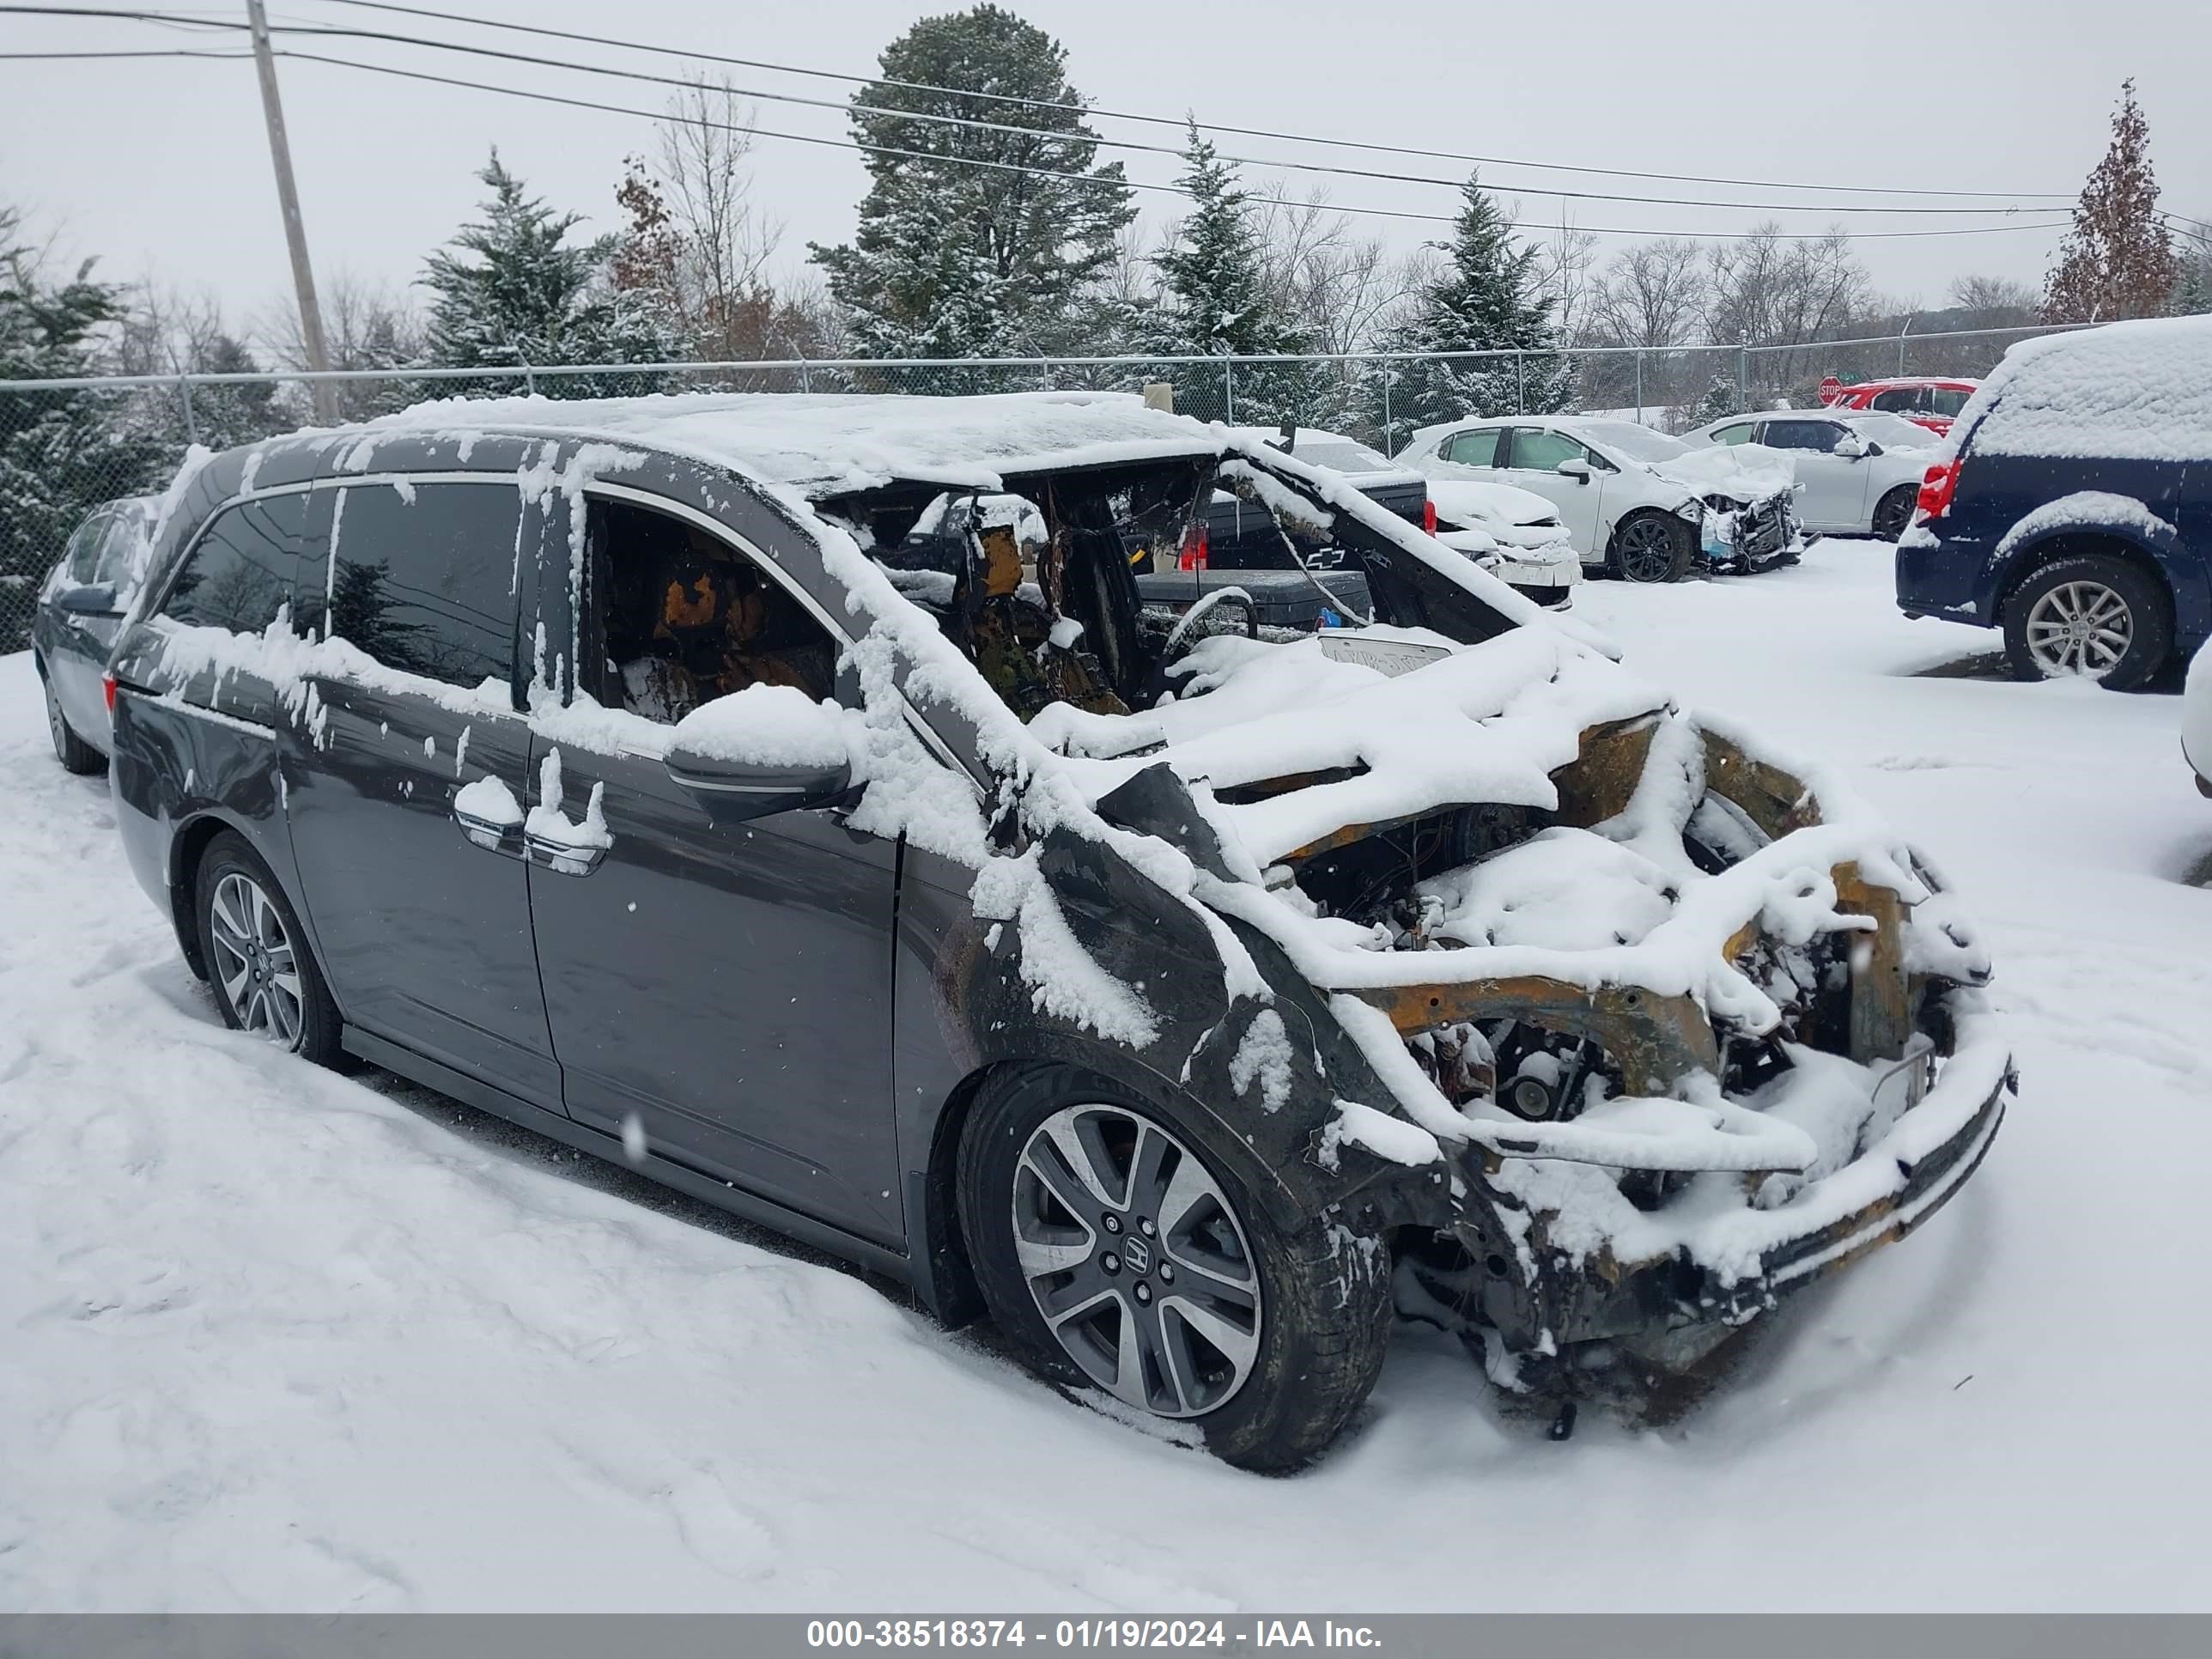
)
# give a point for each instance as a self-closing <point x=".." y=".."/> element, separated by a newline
<point x="1924" y="400"/>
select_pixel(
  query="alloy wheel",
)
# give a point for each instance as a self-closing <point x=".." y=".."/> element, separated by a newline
<point x="1647" y="551"/>
<point x="254" y="961"/>
<point x="2079" y="628"/>
<point x="1891" y="513"/>
<point x="1135" y="1258"/>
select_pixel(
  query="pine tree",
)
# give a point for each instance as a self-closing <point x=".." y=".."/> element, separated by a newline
<point x="513" y="289"/>
<point x="1216" y="302"/>
<point x="967" y="246"/>
<point x="2118" y="261"/>
<point x="61" y="452"/>
<point x="1485" y="298"/>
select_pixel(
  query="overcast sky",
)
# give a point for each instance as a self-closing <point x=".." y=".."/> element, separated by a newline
<point x="161" y="167"/>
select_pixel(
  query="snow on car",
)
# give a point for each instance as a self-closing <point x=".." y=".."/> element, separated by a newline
<point x="1185" y="1001"/>
<point x="1857" y="474"/>
<point x="2072" y="507"/>
<point x="1635" y="501"/>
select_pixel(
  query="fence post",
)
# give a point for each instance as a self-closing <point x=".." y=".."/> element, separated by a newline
<point x="1229" y="390"/>
<point x="1389" y="429"/>
<point x="185" y="396"/>
<point x="1743" y="379"/>
<point x="1519" y="384"/>
<point x="1639" y="385"/>
<point x="529" y="381"/>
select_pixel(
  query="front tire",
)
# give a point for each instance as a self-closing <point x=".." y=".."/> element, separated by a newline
<point x="75" y="754"/>
<point x="1651" y="546"/>
<point x="1117" y="1245"/>
<point x="265" y="977"/>
<point x="2092" y="614"/>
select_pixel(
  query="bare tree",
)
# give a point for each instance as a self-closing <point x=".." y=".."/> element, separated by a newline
<point x="1566" y="263"/>
<point x="1652" y="294"/>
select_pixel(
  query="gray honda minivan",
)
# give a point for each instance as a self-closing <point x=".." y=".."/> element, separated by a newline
<point x="795" y="797"/>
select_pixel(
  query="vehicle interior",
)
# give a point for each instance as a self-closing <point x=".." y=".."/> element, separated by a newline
<point x="683" y="617"/>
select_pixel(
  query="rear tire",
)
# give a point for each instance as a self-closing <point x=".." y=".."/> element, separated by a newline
<point x="266" y="978"/>
<point x="1651" y="546"/>
<point x="2095" y="615"/>
<point x="1894" y="511"/>
<point x="1134" y="1222"/>
<point x="75" y="754"/>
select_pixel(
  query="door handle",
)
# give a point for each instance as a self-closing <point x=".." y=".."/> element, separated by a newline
<point x="493" y="835"/>
<point x="563" y="857"/>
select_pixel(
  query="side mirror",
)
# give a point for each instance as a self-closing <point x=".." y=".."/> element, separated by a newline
<point x="1849" y="449"/>
<point x="765" y="750"/>
<point x="1578" y="470"/>
<point x="97" y="600"/>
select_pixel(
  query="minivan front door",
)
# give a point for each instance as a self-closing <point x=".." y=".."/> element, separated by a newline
<point x="416" y="892"/>
<point x="721" y="989"/>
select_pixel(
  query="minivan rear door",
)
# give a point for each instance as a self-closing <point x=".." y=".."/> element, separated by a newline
<point x="404" y="780"/>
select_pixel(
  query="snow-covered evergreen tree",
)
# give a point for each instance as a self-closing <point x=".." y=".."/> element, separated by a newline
<point x="974" y="241"/>
<point x="61" y="452"/>
<point x="1216" y="301"/>
<point x="2118" y="261"/>
<point x="1484" y="297"/>
<point x="1722" y="398"/>
<point x="512" y="288"/>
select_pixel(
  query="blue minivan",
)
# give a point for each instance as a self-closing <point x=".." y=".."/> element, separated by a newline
<point x="2074" y="508"/>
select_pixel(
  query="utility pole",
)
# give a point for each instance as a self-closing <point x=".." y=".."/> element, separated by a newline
<point x="288" y="198"/>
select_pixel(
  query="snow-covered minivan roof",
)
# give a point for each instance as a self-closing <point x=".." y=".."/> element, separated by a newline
<point x="826" y="446"/>
<point x="2139" y="390"/>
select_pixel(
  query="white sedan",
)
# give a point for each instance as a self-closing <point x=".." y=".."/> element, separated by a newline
<point x="1858" y="474"/>
<point x="1634" y="502"/>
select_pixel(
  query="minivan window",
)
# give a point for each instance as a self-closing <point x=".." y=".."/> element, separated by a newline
<point x="683" y="617"/>
<point x="422" y="577"/>
<point x="239" y="575"/>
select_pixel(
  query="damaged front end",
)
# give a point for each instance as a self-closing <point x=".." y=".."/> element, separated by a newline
<point x="1641" y="1168"/>
<point x="1739" y="535"/>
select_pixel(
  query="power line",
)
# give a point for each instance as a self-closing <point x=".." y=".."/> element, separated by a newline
<point x="1171" y="121"/>
<point x="971" y="124"/>
<point x="1073" y="177"/>
<point x="172" y="51"/>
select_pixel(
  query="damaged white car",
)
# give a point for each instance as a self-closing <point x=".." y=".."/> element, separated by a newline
<point x="1637" y="503"/>
<point x="790" y="798"/>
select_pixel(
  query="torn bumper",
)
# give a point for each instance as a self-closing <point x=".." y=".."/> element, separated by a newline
<point x="1672" y="1306"/>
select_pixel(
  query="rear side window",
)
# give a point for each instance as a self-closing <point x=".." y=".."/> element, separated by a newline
<point x="82" y="554"/>
<point x="1946" y="400"/>
<point x="422" y="579"/>
<point x="118" y="549"/>
<point x="239" y="575"/>
<point x="1476" y="449"/>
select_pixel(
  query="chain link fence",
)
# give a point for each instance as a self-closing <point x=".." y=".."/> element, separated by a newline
<point x="66" y="446"/>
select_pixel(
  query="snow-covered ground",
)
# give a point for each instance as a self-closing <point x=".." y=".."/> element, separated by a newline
<point x="272" y="1339"/>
